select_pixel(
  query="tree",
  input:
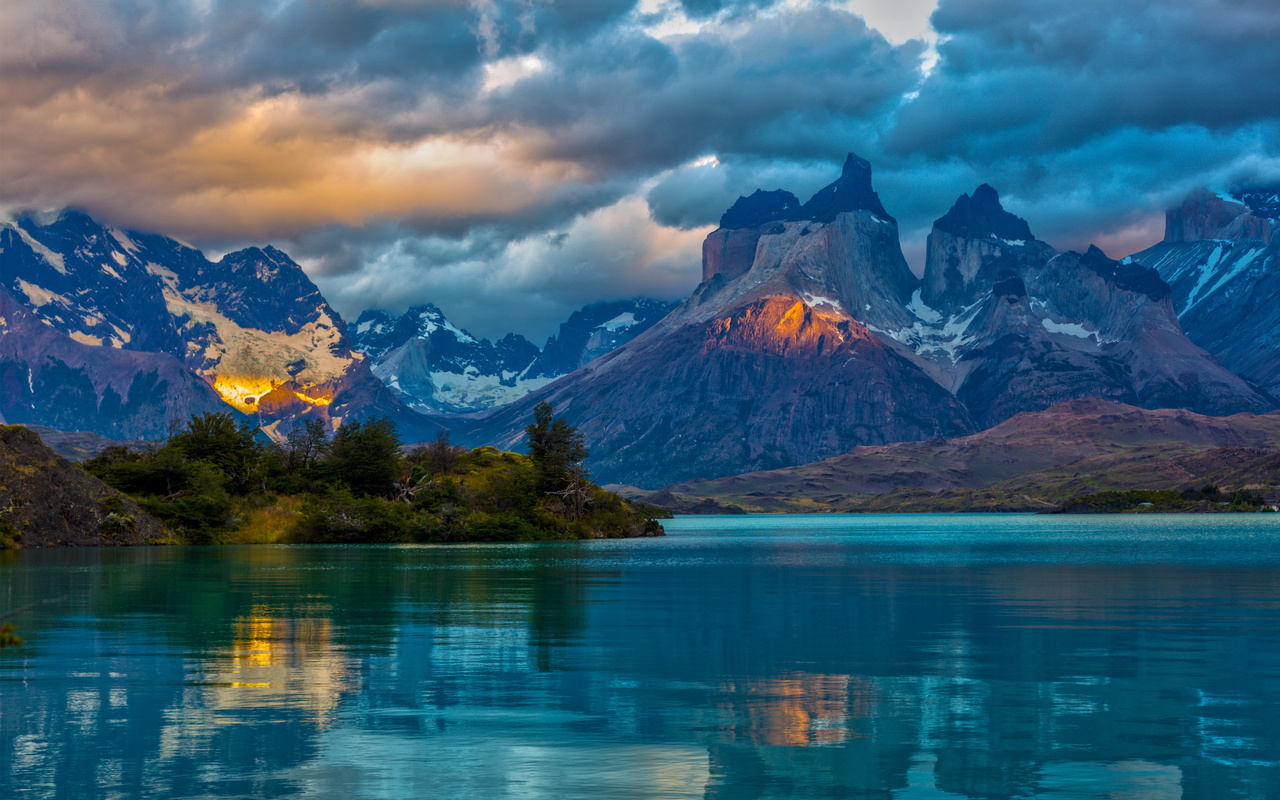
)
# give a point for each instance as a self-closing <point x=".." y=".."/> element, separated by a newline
<point x="556" y="449"/>
<point x="440" y="457"/>
<point x="306" y="444"/>
<point x="218" y="440"/>
<point x="366" y="456"/>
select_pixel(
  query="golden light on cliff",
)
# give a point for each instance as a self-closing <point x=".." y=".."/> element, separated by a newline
<point x="243" y="393"/>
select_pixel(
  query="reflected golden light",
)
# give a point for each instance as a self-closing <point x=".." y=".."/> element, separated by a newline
<point x="798" y="710"/>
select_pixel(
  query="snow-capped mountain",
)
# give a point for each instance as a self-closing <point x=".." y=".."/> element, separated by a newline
<point x="595" y="330"/>
<point x="436" y="367"/>
<point x="251" y="326"/>
<point x="809" y="336"/>
<point x="1221" y="258"/>
<point x="1011" y="325"/>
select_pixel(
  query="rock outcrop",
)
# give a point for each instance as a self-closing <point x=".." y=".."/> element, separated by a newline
<point x="53" y="503"/>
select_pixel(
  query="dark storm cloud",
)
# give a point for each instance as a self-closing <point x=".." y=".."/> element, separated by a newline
<point x="1093" y="115"/>
<point x="800" y="84"/>
<point x="511" y="159"/>
<point x="1040" y="76"/>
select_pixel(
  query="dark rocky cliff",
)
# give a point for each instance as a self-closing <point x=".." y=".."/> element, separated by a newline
<point x="53" y="503"/>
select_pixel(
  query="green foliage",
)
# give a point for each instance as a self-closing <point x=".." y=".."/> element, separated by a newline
<point x="1208" y="498"/>
<point x="438" y="457"/>
<point x="365" y="456"/>
<point x="218" y="440"/>
<point x="9" y="637"/>
<point x="117" y="522"/>
<point x="556" y="448"/>
<point x="306" y="445"/>
<point x="10" y="536"/>
<point x="214" y="482"/>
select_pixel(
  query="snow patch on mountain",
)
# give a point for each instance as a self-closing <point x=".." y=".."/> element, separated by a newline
<point x="472" y="389"/>
<point x="54" y="260"/>
<point x="624" y="320"/>
<point x="1070" y="329"/>
<point x="813" y="301"/>
<point x="921" y="310"/>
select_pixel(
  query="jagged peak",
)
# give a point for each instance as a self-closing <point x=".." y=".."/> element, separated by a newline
<point x="267" y="253"/>
<point x="982" y="216"/>
<point x="1127" y="275"/>
<point x="1009" y="284"/>
<point x="852" y="191"/>
<point x="760" y="208"/>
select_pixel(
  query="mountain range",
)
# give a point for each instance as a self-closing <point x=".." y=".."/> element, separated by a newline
<point x="436" y="367"/>
<point x="810" y="336"/>
<point x="807" y="337"/>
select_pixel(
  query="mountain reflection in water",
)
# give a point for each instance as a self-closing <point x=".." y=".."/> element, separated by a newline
<point x="777" y="657"/>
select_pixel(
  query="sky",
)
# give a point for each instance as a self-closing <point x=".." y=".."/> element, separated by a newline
<point x="513" y="160"/>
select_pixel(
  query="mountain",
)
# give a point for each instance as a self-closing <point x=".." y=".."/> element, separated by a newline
<point x="436" y="367"/>
<point x="139" y="329"/>
<point x="1221" y="258"/>
<point x="1069" y="449"/>
<point x="1011" y="325"/>
<point x="809" y="336"/>
<point x="764" y="365"/>
<point x="595" y="330"/>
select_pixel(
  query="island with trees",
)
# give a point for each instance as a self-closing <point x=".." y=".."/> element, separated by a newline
<point x="216" y="481"/>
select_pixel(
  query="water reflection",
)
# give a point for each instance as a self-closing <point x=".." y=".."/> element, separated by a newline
<point x="725" y="664"/>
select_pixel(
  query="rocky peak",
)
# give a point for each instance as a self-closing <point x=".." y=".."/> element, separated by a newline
<point x="760" y="208"/>
<point x="972" y="245"/>
<point x="1127" y="275"/>
<point x="1210" y="215"/>
<point x="850" y="192"/>
<point x="981" y="216"/>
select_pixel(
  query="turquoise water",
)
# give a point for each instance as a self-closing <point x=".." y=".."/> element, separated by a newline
<point x="896" y="657"/>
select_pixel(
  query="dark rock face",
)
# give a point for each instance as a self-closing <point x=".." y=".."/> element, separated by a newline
<point x="54" y="503"/>
<point x="251" y="328"/>
<point x="1073" y="325"/>
<point x="759" y="209"/>
<point x="809" y="335"/>
<point x="1207" y="215"/>
<point x="981" y="216"/>
<point x="850" y="192"/>
<point x="1221" y="259"/>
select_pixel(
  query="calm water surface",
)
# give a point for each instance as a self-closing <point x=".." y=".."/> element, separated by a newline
<point x="903" y="657"/>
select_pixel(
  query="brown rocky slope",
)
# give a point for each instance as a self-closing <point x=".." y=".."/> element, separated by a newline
<point x="53" y="503"/>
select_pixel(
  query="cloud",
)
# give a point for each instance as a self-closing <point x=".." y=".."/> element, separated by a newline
<point x="491" y="284"/>
<point x="475" y="153"/>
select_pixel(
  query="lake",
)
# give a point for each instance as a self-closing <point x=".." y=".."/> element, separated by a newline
<point x="904" y="657"/>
